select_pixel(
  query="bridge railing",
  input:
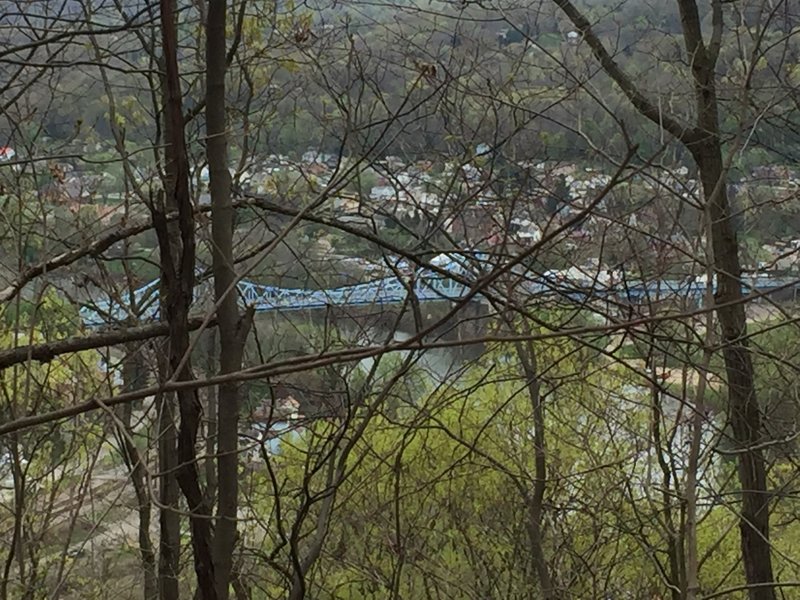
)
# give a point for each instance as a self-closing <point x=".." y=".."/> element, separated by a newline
<point x="427" y="285"/>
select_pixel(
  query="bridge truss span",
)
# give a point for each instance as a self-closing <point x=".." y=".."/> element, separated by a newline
<point x="448" y="282"/>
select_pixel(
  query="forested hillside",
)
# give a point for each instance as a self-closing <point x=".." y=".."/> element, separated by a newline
<point x="399" y="300"/>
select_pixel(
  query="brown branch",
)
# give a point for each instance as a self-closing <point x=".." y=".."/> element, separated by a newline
<point x="684" y="133"/>
<point x="715" y="44"/>
<point x="74" y="34"/>
<point x="67" y="258"/>
<point x="313" y="361"/>
<point x="47" y="351"/>
<point x="751" y="586"/>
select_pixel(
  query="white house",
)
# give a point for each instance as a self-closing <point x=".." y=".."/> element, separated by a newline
<point x="6" y="153"/>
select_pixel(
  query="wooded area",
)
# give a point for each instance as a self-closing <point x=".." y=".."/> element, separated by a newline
<point x="406" y="300"/>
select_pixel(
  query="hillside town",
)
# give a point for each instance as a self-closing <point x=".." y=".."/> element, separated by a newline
<point x="481" y="202"/>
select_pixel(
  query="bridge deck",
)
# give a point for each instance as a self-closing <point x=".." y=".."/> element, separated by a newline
<point x="426" y="285"/>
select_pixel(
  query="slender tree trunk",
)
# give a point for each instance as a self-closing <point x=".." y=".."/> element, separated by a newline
<point x="704" y="143"/>
<point x="211" y="419"/>
<point x="698" y="421"/>
<point x="16" y="546"/>
<point x="743" y="408"/>
<point x="302" y="564"/>
<point x="169" y="547"/>
<point x="169" y="490"/>
<point x="231" y="330"/>
<point x="132" y="373"/>
<point x="706" y="147"/>
<point x="177" y="248"/>
<point x="527" y="358"/>
<point x="667" y="520"/>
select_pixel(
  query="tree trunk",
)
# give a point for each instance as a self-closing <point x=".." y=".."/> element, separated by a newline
<point x="698" y="422"/>
<point x="176" y="243"/>
<point x="132" y="375"/>
<point x="743" y="409"/>
<point x="169" y="547"/>
<point x="704" y="143"/>
<point x="527" y="357"/>
<point x="231" y="329"/>
<point x="211" y="419"/>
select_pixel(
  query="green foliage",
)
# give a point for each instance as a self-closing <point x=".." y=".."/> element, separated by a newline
<point x="48" y="466"/>
<point x="435" y="496"/>
<point x="51" y="315"/>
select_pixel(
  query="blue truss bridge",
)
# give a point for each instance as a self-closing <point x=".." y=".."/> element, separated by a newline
<point x="427" y="285"/>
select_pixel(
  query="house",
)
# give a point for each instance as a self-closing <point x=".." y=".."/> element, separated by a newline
<point x="471" y="173"/>
<point x="346" y="204"/>
<point x="382" y="192"/>
<point x="286" y="408"/>
<point x="7" y="153"/>
<point x="525" y="230"/>
<point x="393" y="163"/>
<point x="427" y="199"/>
<point x="317" y="169"/>
<point x="323" y="158"/>
<point x="270" y="423"/>
<point x="773" y="173"/>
